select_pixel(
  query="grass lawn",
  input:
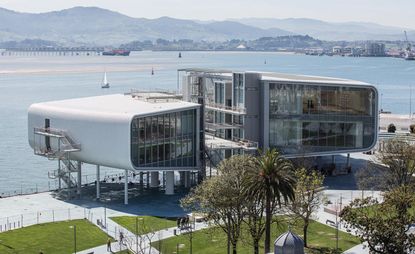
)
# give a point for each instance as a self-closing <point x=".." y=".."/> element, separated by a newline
<point x="146" y="224"/>
<point x="53" y="238"/>
<point x="321" y="239"/>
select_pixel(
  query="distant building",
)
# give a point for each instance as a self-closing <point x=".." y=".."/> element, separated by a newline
<point x="348" y="50"/>
<point x="375" y="49"/>
<point x="314" y="51"/>
<point x="338" y="50"/>
<point x="241" y="47"/>
<point x="357" y="51"/>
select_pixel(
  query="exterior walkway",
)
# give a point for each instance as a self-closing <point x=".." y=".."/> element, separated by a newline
<point x="143" y="241"/>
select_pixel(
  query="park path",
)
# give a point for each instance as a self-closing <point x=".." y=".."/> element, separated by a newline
<point x="113" y="230"/>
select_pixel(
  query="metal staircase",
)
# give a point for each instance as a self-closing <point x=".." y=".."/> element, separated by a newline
<point x="56" y="144"/>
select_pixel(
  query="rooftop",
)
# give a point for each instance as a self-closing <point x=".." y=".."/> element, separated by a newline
<point x="130" y="104"/>
<point x="274" y="76"/>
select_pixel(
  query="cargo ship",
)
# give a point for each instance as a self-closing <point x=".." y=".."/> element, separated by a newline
<point x="116" y="52"/>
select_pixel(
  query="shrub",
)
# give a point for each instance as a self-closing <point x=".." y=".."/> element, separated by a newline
<point x="412" y="128"/>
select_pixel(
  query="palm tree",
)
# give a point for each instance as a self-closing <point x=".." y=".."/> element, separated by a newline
<point x="274" y="180"/>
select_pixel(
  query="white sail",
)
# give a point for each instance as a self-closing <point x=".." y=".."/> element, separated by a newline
<point x="105" y="83"/>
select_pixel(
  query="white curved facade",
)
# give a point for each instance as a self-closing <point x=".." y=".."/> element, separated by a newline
<point x="101" y="125"/>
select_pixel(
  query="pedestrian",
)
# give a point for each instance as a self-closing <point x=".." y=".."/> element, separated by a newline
<point x="178" y="222"/>
<point x="109" y="245"/>
<point x="121" y="238"/>
<point x="182" y="222"/>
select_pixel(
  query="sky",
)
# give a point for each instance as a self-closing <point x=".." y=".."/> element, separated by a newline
<point x="398" y="13"/>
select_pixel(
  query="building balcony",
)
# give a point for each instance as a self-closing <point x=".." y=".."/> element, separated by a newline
<point x="226" y="109"/>
<point x="216" y="143"/>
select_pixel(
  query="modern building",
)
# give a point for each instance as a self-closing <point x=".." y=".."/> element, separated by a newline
<point x="299" y="115"/>
<point x="375" y="49"/>
<point x="219" y="113"/>
<point x="337" y="50"/>
<point x="141" y="132"/>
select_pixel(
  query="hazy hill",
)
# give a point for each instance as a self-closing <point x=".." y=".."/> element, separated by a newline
<point x="91" y="25"/>
<point x="322" y="30"/>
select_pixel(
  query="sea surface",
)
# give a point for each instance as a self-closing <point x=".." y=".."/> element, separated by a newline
<point x="29" y="79"/>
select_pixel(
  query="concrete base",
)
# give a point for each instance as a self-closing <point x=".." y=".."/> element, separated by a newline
<point x="154" y="179"/>
<point x="169" y="182"/>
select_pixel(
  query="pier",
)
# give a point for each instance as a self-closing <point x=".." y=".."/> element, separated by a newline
<point x="53" y="51"/>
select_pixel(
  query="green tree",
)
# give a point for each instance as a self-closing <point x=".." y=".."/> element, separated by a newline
<point x="384" y="226"/>
<point x="399" y="158"/>
<point x="254" y="218"/>
<point x="274" y="182"/>
<point x="222" y="198"/>
<point x="308" y="197"/>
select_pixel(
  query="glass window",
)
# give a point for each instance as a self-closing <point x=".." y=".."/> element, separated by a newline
<point x="165" y="140"/>
<point x="331" y="118"/>
<point x="141" y="130"/>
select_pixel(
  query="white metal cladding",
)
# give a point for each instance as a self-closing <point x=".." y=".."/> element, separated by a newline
<point x="104" y="138"/>
<point x="102" y="125"/>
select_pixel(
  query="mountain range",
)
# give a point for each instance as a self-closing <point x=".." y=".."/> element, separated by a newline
<point x="349" y="31"/>
<point x="101" y="27"/>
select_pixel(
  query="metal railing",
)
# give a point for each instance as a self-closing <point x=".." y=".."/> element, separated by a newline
<point x="45" y="216"/>
<point x="235" y="143"/>
<point x="227" y="109"/>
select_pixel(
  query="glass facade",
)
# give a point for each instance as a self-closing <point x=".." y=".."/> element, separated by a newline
<point x="238" y="90"/>
<point x="318" y="118"/>
<point x="167" y="140"/>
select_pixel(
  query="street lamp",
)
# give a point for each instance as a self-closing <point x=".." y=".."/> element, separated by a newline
<point x="105" y="211"/>
<point x="136" y="232"/>
<point x="74" y="237"/>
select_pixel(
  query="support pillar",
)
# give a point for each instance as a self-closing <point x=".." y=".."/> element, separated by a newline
<point x="141" y="179"/>
<point x="126" y="188"/>
<point x="78" y="191"/>
<point x="169" y="182"/>
<point x="59" y="173"/>
<point x="148" y="179"/>
<point x="154" y="181"/>
<point x="348" y="160"/>
<point x="187" y="179"/>
<point x="182" y="177"/>
<point x="98" y="183"/>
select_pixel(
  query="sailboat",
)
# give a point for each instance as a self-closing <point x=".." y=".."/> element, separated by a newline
<point x="105" y="83"/>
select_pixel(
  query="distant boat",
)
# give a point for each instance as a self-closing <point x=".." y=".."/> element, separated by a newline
<point x="105" y="83"/>
<point x="409" y="55"/>
<point x="116" y="52"/>
<point x="180" y="54"/>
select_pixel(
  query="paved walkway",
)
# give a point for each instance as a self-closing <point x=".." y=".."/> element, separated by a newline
<point x="358" y="249"/>
<point x="143" y="241"/>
